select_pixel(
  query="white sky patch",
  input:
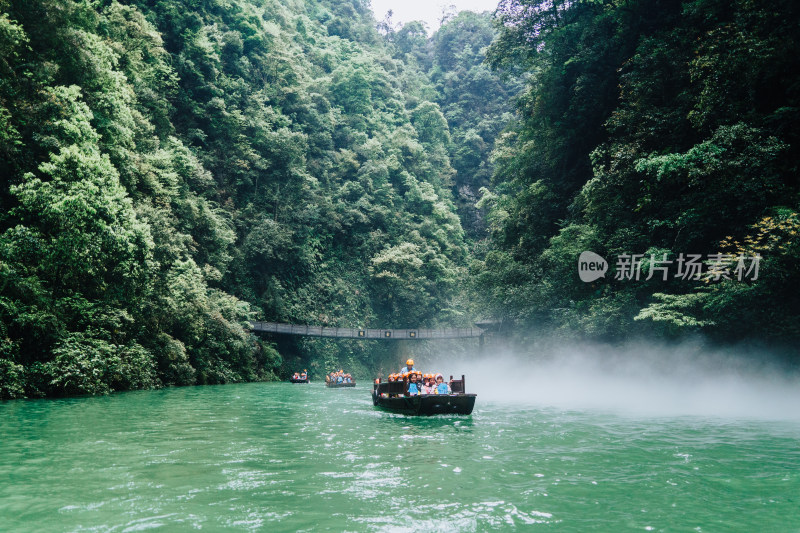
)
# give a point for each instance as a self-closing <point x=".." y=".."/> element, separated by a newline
<point x="429" y="11"/>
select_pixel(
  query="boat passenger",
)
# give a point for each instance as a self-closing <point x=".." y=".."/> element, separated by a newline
<point x="296" y="376"/>
<point x="408" y="368"/>
<point x="441" y="386"/>
<point x="427" y="384"/>
<point x="413" y="386"/>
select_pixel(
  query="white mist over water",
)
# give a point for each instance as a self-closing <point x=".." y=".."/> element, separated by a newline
<point x="639" y="379"/>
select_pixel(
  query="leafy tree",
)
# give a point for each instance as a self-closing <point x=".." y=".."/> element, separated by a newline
<point x="176" y="169"/>
<point x="653" y="127"/>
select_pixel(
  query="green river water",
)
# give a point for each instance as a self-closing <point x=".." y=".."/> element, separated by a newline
<point x="283" y="457"/>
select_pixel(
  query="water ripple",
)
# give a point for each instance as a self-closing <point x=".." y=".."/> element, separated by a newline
<point x="279" y="457"/>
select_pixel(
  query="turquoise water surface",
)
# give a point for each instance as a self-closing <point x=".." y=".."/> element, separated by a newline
<point x="283" y="457"/>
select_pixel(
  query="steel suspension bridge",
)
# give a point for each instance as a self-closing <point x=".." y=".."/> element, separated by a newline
<point x="367" y="333"/>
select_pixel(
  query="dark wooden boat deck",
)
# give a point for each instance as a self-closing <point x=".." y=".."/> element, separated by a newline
<point x="428" y="404"/>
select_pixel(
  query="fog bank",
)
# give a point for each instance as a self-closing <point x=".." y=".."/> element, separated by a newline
<point x="640" y="379"/>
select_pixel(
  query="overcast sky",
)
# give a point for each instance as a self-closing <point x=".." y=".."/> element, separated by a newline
<point x="429" y="11"/>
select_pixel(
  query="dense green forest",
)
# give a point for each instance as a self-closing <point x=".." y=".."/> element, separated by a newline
<point x="656" y="127"/>
<point x="173" y="169"/>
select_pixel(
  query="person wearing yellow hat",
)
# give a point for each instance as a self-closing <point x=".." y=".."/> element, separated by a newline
<point x="408" y="368"/>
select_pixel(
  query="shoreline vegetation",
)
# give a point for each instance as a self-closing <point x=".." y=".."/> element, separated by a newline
<point x="173" y="170"/>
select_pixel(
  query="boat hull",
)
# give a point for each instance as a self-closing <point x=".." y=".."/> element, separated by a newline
<point x="333" y="385"/>
<point x="428" y="404"/>
<point x="298" y="380"/>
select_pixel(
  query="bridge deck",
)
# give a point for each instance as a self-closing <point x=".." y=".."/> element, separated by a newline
<point x="366" y="333"/>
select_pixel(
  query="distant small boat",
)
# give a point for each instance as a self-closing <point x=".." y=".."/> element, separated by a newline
<point x="332" y="380"/>
<point x="336" y="385"/>
<point x="299" y="380"/>
<point x="391" y="396"/>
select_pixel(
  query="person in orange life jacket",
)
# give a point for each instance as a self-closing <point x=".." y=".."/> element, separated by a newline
<point x="441" y="386"/>
<point x="413" y="386"/>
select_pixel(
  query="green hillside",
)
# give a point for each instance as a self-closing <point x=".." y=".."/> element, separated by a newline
<point x="172" y="169"/>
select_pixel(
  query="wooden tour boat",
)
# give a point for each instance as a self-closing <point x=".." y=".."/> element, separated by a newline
<point x="300" y="377"/>
<point x="337" y="385"/>
<point x="391" y="395"/>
